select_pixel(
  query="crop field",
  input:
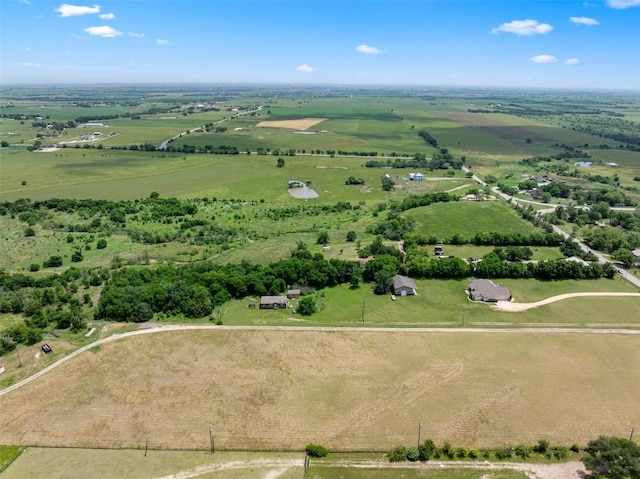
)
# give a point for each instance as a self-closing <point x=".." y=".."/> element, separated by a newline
<point x="346" y="390"/>
<point x="301" y="124"/>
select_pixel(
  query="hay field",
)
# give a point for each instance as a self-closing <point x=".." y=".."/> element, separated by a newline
<point x="347" y="390"/>
<point x="300" y="124"/>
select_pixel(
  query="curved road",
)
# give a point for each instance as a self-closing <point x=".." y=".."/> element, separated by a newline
<point x="187" y="327"/>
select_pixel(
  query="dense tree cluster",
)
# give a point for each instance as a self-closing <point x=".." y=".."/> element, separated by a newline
<point x="135" y="294"/>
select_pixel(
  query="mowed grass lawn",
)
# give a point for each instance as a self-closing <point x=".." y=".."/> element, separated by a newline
<point x="467" y="218"/>
<point x="443" y="303"/>
<point x="347" y="390"/>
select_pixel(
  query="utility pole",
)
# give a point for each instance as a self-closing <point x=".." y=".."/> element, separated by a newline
<point x="463" y="318"/>
<point x="19" y="360"/>
<point x="362" y="311"/>
<point x="419" y="433"/>
<point x="213" y="449"/>
<point x="146" y="447"/>
<point x="633" y="429"/>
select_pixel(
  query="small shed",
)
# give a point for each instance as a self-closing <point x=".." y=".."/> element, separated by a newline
<point x="293" y="293"/>
<point x="438" y="251"/>
<point x="636" y="255"/>
<point x="273" y="302"/>
<point x="404" y="286"/>
<point x="487" y="291"/>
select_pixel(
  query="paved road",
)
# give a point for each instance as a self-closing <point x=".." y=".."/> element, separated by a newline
<point x="160" y="328"/>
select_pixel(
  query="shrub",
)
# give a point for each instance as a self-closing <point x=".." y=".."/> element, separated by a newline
<point x="34" y="267"/>
<point x="29" y="231"/>
<point x="307" y="305"/>
<point x="53" y="262"/>
<point x="448" y="450"/>
<point x="413" y="454"/>
<point x="101" y="244"/>
<point x="316" y="450"/>
<point x="397" y="454"/>
<point x="503" y="453"/>
<point x="560" y="452"/>
<point x="76" y="257"/>
<point x="541" y="447"/>
<point x="426" y="449"/>
<point x="523" y="451"/>
<point x="575" y="448"/>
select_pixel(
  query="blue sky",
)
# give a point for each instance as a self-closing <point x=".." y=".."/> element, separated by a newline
<point x="593" y="44"/>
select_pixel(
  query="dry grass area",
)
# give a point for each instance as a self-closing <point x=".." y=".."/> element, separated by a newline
<point x="301" y="124"/>
<point x="347" y="390"/>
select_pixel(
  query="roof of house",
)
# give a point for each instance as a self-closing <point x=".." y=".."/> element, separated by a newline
<point x="400" y="281"/>
<point x="487" y="290"/>
<point x="575" y="259"/>
<point x="293" y="291"/>
<point x="273" y="299"/>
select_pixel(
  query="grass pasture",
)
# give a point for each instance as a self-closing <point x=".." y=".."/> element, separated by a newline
<point x="324" y="472"/>
<point x="347" y="390"/>
<point x="106" y="174"/>
<point x="467" y="218"/>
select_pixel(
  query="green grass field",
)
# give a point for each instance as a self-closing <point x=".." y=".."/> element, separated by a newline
<point x="322" y="472"/>
<point x="467" y="218"/>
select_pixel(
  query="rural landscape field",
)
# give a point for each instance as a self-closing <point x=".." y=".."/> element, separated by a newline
<point x="319" y="239"/>
<point x="140" y="238"/>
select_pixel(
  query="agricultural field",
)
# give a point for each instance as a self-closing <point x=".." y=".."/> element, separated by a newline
<point x="283" y="389"/>
<point x="213" y="207"/>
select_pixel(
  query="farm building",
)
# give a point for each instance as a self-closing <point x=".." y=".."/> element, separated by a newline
<point x="293" y="293"/>
<point x="416" y="176"/>
<point x="487" y="291"/>
<point x="273" y="302"/>
<point x="403" y="286"/>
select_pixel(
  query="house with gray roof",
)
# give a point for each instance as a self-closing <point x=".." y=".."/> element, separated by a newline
<point x="273" y="302"/>
<point x="487" y="291"/>
<point x="404" y="286"/>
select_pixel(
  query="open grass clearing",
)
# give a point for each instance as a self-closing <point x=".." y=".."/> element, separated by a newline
<point x="347" y="390"/>
<point x="110" y="174"/>
<point x="467" y="218"/>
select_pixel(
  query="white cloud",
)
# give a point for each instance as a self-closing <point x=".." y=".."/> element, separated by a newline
<point x="572" y="61"/>
<point x="584" y="21"/>
<point x="136" y="35"/>
<point x="26" y="2"/>
<point x="161" y="41"/>
<point x="66" y="10"/>
<point x="368" y="50"/>
<point x="107" y="16"/>
<point x="523" y="28"/>
<point x="28" y="64"/>
<point x="543" y="59"/>
<point x="104" y="31"/>
<point x="306" y="69"/>
<point x="623" y="3"/>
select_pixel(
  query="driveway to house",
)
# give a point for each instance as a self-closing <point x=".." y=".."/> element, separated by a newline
<point x="517" y="307"/>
